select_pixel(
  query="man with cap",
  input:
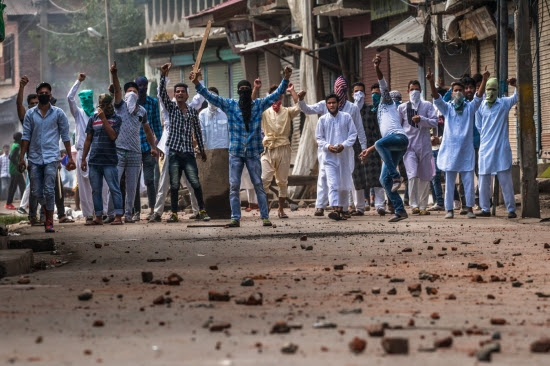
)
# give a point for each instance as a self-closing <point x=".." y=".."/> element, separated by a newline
<point x="43" y="125"/>
<point x="128" y="144"/>
<point x="81" y="116"/>
<point x="245" y="139"/>
<point x="150" y="170"/>
<point x="495" y="154"/>
<point x="359" y="171"/>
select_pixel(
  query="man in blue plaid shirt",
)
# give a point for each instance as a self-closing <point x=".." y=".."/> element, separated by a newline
<point x="150" y="168"/>
<point x="245" y="139"/>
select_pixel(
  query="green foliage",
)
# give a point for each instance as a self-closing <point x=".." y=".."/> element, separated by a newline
<point x="89" y="54"/>
<point x="11" y="219"/>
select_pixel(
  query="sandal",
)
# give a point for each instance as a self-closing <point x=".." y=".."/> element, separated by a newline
<point x="336" y="216"/>
<point x="65" y="220"/>
<point x="282" y="216"/>
<point x="233" y="223"/>
<point x="92" y="223"/>
<point x="117" y="222"/>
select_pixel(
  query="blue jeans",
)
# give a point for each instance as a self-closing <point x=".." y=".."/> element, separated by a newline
<point x="180" y="162"/>
<point x="254" y="166"/>
<point x="435" y="185"/>
<point x="151" y="175"/>
<point x="110" y="173"/>
<point x="43" y="183"/>
<point x="391" y="149"/>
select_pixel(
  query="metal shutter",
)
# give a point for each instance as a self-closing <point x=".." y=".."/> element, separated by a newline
<point x="236" y="76"/>
<point x="218" y="76"/>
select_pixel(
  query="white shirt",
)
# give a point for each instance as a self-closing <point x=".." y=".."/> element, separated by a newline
<point x="215" y="132"/>
<point x="388" y="116"/>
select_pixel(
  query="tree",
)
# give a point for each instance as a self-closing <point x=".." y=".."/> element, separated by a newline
<point x="76" y="49"/>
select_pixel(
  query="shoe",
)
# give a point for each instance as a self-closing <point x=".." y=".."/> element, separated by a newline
<point x="450" y="214"/>
<point x="266" y="222"/>
<point x="346" y="215"/>
<point x="89" y="219"/>
<point x="381" y="211"/>
<point x="109" y="219"/>
<point x="137" y="216"/>
<point x="471" y="215"/>
<point x="436" y="207"/>
<point x="367" y="208"/>
<point x="104" y="218"/>
<point x="202" y="215"/>
<point x="336" y="216"/>
<point x="22" y="211"/>
<point x="173" y="218"/>
<point x="463" y="211"/>
<point x="357" y="213"/>
<point x="396" y="185"/>
<point x="9" y="206"/>
<point x="398" y="217"/>
<point x="48" y="223"/>
<point x="415" y="211"/>
<point x="129" y="220"/>
<point x="319" y="212"/>
<point x="457" y="205"/>
<point x="483" y="213"/>
<point x="155" y="217"/>
<point x="512" y="215"/>
<point x="34" y="221"/>
<point x="233" y="223"/>
<point x="424" y="212"/>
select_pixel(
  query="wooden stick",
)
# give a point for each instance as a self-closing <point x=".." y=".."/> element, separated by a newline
<point x="203" y="45"/>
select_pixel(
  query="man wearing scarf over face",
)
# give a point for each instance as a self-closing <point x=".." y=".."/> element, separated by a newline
<point x="245" y="139"/>
<point x="456" y="154"/>
<point x="81" y="117"/>
<point x="495" y="154"/>
<point x="344" y="105"/>
<point x="43" y="125"/>
<point x="417" y="118"/>
<point x="101" y="133"/>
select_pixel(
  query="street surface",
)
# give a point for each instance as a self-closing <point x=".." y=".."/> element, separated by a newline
<point x="44" y="323"/>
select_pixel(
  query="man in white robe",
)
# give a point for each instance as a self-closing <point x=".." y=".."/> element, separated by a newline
<point x="417" y="118"/>
<point x="456" y="154"/>
<point x="495" y="154"/>
<point x="335" y="136"/>
<point x="344" y="105"/>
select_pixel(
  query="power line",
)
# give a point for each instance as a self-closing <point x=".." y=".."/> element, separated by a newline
<point x="68" y="34"/>
<point x="67" y="10"/>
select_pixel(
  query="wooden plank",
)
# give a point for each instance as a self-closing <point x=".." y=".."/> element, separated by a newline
<point x="203" y="45"/>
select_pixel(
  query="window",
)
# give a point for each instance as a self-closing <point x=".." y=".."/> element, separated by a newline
<point x="7" y="61"/>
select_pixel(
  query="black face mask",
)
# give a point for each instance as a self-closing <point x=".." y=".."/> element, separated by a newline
<point x="245" y="103"/>
<point x="44" y="99"/>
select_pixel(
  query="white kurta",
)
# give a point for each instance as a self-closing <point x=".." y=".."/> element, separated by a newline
<point x="457" y="148"/>
<point x="495" y="153"/>
<point x="215" y="132"/>
<point x="418" y="159"/>
<point x="334" y="130"/>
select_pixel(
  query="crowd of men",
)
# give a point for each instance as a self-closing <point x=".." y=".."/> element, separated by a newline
<point x="365" y="151"/>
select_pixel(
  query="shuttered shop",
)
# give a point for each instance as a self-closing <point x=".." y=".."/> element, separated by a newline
<point x="236" y="76"/>
<point x="512" y="117"/>
<point x="218" y="77"/>
<point x="544" y="54"/>
<point x="295" y="80"/>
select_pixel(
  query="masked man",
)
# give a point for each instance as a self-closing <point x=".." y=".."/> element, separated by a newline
<point x="456" y="154"/>
<point x="495" y="154"/>
<point x="81" y="117"/>
<point x="245" y="139"/>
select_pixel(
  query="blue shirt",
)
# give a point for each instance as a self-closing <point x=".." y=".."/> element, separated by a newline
<point x="43" y="134"/>
<point x="243" y="143"/>
<point x="153" y="117"/>
<point x="103" y="149"/>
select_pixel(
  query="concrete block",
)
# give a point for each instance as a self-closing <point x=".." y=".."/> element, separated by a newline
<point x="214" y="178"/>
<point x="37" y="245"/>
<point x="15" y="262"/>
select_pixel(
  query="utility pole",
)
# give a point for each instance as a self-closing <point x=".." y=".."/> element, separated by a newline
<point x="439" y="72"/>
<point x="108" y="36"/>
<point x="44" y="61"/>
<point x="530" y="204"/>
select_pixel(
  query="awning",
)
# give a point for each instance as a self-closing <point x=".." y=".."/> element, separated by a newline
<point x="343" y="8"/>
<point x="409" y="31"/>
<point x="250" y="46"/>
<point x="218" y="14"/>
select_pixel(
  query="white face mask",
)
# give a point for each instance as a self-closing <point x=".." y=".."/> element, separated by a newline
<point x="131" y="100"/>
<point x="358" y="95"/>
<point x="212" y="108"/>
<point x="414" y="96"/>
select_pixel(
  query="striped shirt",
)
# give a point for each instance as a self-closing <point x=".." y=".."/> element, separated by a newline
<point x="182" y="125"/>
<point x="103" y="150"/>
<point x="243" y="143"/>
<point x="153" y="118"/>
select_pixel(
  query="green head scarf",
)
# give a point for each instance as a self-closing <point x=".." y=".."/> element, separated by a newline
<point x="87" y="101"/>
<point x="491" y="91"/>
